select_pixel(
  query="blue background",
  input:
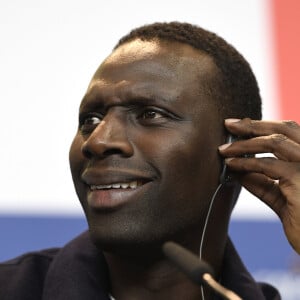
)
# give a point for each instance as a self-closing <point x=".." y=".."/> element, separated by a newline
<point x="262" y="244"/>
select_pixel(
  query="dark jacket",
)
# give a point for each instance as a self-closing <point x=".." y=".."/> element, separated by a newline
<point x="78" y="271"/>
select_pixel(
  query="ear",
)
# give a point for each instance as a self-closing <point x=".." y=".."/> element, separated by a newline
<point x="225" y="176"/>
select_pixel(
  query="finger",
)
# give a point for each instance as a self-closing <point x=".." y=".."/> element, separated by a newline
<point x="286" y="208"/>
<point x="277" y="144"/>
<point x="287" y="174"/>
<point x="265" y="189"/>
<point x="250" y="128"/>
<point x="269" y="166"/>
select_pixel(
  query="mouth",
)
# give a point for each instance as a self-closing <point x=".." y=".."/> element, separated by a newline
<point x="110" y="192"/>
<point x="117" y="185"/>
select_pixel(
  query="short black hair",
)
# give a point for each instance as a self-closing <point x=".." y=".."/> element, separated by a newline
<point x="237" y="90"/>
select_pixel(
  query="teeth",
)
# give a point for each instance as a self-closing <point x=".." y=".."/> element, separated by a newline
<point x="133" y="184"/>
<point x="123" y="185"/>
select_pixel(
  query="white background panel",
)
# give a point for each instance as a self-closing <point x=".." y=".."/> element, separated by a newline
<point x="49" y="51"/>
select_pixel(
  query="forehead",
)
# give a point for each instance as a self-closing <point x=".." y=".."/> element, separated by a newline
<point x="163" y="60"/>
<point x="160" y="70"/>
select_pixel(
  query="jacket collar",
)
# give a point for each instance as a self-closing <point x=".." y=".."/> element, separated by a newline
<point x="236" y="277"/>
<point x="79" y="271"/>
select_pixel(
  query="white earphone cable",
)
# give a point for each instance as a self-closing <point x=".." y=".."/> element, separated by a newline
<point x="205" y="227"/>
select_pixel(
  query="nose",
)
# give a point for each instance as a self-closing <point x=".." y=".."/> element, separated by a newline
<point x="108" y="138"/>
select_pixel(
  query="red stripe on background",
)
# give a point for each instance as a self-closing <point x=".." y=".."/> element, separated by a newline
<point x="286" y="19"/>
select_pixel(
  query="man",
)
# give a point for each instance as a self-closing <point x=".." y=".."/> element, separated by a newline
<point x="146" y="168"/>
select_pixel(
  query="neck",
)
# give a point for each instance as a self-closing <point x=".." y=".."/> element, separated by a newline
<point x="147" y="274"/>
<point x="149" y="279"/>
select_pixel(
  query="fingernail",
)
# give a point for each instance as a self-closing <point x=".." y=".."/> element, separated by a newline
<point x="224" y="146"/>
<point x="232" y="120"/>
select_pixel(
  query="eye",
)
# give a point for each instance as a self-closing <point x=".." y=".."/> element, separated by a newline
<point x="155" y="116"/>
<point x="91" y="121"/>
<point x="151" y="114"/>
<point x="87" y="123"/>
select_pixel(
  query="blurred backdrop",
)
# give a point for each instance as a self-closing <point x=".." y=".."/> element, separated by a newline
<point x="49" y="51"/>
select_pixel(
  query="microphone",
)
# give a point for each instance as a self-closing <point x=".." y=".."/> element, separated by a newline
<point x="197" y="270"/>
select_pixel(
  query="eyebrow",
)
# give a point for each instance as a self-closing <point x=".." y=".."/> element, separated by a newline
<point x="92" y="100"/>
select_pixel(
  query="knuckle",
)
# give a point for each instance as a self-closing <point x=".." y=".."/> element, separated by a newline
<point x="265" y="163"/>
<point x="251" y="125"/>
<point x="277" y="138"/>
<point x="290" y="124"/>
<point x="272" y="186"/>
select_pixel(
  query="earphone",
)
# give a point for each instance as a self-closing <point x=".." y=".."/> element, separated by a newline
<point x="224" y="175"/>
<point x="225" y="178"/>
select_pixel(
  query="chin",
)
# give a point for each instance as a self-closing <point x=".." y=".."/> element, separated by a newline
<point x="129" y="245"/>
<point x="133" y="242"/>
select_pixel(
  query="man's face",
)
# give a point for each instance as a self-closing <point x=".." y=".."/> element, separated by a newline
<point x="144" y="160"/>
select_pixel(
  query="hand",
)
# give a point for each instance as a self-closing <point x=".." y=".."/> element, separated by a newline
<point x="276" y="179"/>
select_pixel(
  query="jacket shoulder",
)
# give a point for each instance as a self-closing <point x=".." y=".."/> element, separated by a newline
<point x="23" y="277"/>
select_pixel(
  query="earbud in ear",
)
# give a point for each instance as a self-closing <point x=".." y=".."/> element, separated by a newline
<point x="225" y="176"/>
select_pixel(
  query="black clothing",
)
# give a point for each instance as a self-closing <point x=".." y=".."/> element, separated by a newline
<point x="78" y="271"/>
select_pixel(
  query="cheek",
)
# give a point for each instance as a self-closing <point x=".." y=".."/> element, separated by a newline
<point x="182" y="153"/>
<point x="188" y="164"/>
<point x="191" y="174"/>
